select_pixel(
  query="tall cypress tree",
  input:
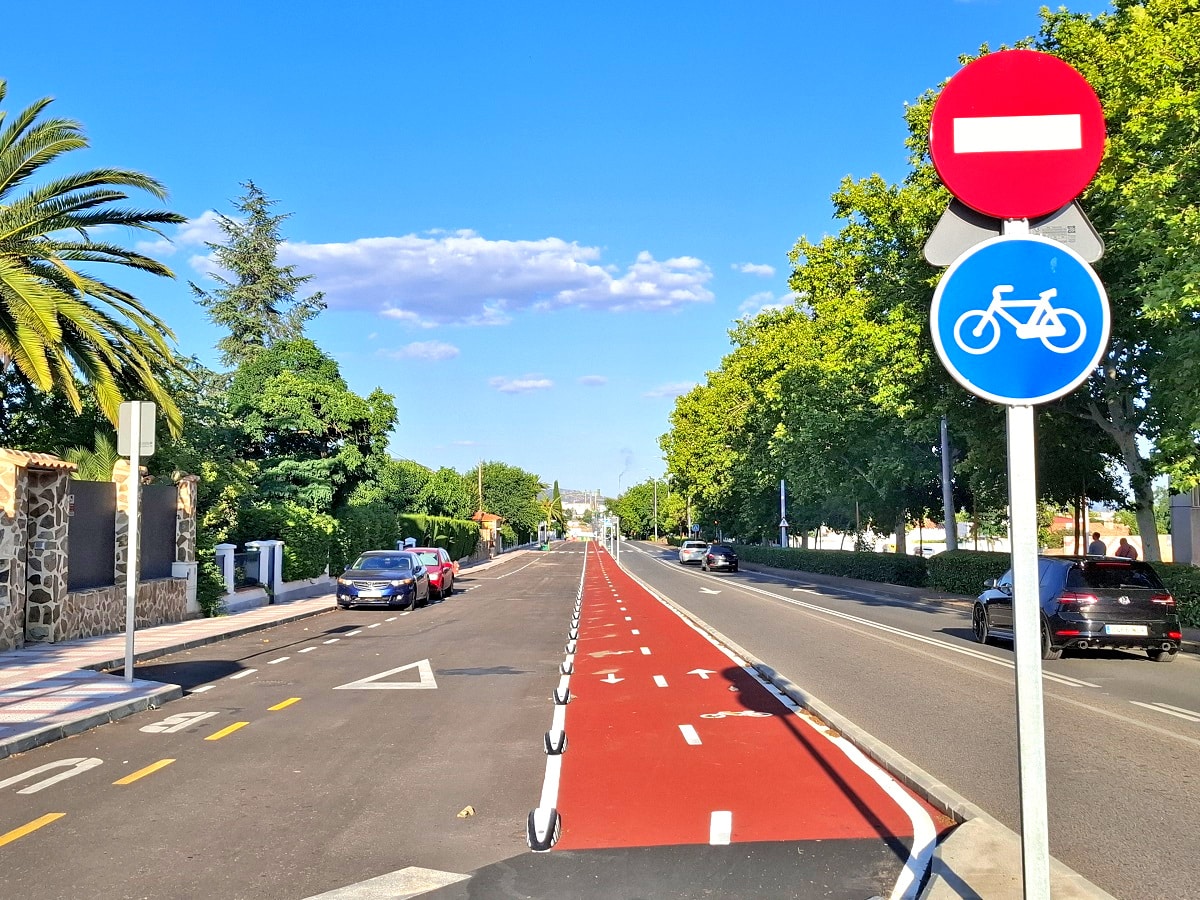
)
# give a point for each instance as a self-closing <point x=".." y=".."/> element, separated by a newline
<point x="256" y="300"/>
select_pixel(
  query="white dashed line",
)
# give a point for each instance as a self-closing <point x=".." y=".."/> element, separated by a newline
<point x="243" y="674"/>
<point x="281" y="659"/>
<point x="308" y="649"/>
<point x="354" y="632"/>
<point x="635" y="631"/>
<point x="390" y="619"/>
<point x="660" y="680"/>
<point x="201" y="690"/>
<point x="645" y="651"/>
<point x="375" y="625"/>
<point x="332" y="641"/>
<point x="1170" y="710"/>
<point x="689" y="735"/>
<point x="720" y="827"/>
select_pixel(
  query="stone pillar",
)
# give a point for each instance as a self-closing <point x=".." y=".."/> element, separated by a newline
<point x="225" y="564"/>
<point x="121" y="478"/>
<point x="1185" y="527"/>
<point x="12" y="555"/>
<point x="185" y="519"/>
<point x="47" y="498"/>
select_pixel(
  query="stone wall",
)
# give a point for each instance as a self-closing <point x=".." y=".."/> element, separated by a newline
<point x="102" y="610"/>
<point x="46" y="555"/>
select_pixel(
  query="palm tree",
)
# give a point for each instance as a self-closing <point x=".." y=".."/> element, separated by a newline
<point x="58" y="320"/>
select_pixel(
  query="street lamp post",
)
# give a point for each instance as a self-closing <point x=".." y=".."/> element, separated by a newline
<point x="656" y="510"/>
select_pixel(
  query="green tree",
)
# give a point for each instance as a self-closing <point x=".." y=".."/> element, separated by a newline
<point x="94" y="463"/>
<point x="314" y="439"/>
<point x="59" y="320"/>
<point x="509" y="492"/>
<point x="257" y="303"/>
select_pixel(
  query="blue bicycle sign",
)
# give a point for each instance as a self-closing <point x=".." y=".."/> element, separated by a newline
<point x="1020" y="320"/>
<point x="1045" y="323"/>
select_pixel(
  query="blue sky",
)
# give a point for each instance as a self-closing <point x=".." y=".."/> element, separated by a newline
<point x="534" y="223"/>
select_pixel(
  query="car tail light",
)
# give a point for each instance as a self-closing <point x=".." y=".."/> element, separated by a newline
<point x="1164" y="599"/>
<point x="1175" y="635"/>
<point x="1067" y="633"/>
<point x="1081" y="599"/>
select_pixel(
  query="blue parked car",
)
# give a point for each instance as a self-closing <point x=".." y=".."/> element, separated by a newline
<point x="396" y="579"/>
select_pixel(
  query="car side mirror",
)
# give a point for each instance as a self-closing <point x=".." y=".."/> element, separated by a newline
<point x="1006" y="588"/>
<point x="990" y="584"/>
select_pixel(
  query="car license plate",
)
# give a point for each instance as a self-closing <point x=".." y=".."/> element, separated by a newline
<point x="1133" y="630"/>
<point x="367" y="593"/>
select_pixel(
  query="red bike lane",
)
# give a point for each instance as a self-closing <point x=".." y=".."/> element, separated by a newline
<point x="672" y="741"/>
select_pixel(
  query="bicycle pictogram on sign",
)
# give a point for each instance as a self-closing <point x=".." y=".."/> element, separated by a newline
<point x="1046" y="323"/>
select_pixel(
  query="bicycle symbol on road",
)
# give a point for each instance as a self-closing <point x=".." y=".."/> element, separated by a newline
<point x="1046" y="323"/>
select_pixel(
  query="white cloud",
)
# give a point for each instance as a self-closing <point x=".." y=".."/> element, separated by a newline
<point x="524" y="385"/>
<point x="593" y="380"/>
<point x="430" y="351"/>
<point x="755" y="269"/>
<point x="192" y="233"/>
<point x="763" y="301"/>
<point x="672" y="389"/>
<point x="464" y="278"/>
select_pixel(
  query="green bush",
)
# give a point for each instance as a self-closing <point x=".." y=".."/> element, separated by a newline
<point x="374" y="526"/>
<point x="458" y="536"/>
<point x="890" y="568"/>
<point x="307" y="535"/>
<point x="965" y="571"/>
<point x="210" y="584"/>
<point x="1183" y="581"/>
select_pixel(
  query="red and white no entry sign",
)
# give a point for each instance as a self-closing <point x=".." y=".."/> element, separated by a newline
<point x="1017" y="134"/>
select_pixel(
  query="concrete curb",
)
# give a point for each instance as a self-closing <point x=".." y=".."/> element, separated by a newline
<point x="103" y="715"/>
<point x="979" y="863"/>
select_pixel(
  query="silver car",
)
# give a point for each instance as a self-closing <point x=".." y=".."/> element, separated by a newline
<point x="692" y="552"/>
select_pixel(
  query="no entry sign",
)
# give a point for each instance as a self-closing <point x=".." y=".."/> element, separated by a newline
<point x="1017" y="134"/>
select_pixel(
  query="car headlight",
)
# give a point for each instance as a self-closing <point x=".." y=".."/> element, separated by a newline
<point x="402" y="582"/>
<point x="343" y="581"/>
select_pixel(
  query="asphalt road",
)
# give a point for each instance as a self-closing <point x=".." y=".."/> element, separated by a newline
<point x="1121" y="732"/>
<point x="291" y="768"/>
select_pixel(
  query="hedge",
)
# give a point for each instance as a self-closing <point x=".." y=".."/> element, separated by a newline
<point x="965" y="571"/>
<point x="374" y="526"/>
<point x="306" y="535"/>
<point x="1183" y="581"/>
<point x="890" y="568"/>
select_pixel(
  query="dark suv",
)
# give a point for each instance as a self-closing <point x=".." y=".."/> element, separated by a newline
<point x="1088" y="602"/>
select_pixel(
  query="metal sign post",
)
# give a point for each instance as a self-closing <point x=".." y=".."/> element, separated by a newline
<point x="135" y="436"/>
<point x="783" y="522"/>
<point x="1019" y="319"/>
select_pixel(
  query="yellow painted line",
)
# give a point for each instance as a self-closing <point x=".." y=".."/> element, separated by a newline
<point x="142" y="773"/>
<point x="284" y="705"/>
<point x="224" y="731"/>
<point x="17" y="833"/>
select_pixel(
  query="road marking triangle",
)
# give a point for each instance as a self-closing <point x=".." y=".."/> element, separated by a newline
<point x="376" y="682"/>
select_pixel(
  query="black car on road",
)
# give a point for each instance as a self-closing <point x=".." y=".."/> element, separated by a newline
<point x="1088" y="602"/>
<point x="719" y="556"/>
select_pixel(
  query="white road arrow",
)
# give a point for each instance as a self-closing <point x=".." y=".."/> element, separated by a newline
<point x="611" y="679"/>
<point x="707" y="591"/>
<point x="703" y="673"/>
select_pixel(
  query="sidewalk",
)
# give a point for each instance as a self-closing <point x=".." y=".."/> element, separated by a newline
<point x="52" y="691"/>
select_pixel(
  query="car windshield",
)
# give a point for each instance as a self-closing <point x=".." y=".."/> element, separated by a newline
<point x="694" y="545"/>
<point x="383" y="562"/>
<point x="1114" y="575"/>
<point x="430" y="559"/>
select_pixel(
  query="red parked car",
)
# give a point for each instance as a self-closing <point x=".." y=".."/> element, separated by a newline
<point x="442" y="569"/>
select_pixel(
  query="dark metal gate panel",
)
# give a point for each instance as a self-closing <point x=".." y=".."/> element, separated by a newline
<point x="91" y="534"/>
<point x="158" y="530"/>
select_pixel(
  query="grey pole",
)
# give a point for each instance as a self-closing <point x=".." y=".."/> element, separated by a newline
<point x="783" y="522"/>
<point x="1027" y="646"/>
<point x="132" y="555"/>
<point x="656" y="510"/>
<point x="948" y="490"/>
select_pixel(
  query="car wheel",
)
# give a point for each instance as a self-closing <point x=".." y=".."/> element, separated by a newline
<point x="448" y="590"/>
<point x="979" y="623"/>
<point x="1162" y="656"/>
<point x="703" y="565"/>
<point x="734" y="569"/>
<point x="1049" y="651"/>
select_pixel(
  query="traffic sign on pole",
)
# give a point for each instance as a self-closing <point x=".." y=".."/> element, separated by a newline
<point x="1016" y="134"/>
<point x="1020" y="320"/>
